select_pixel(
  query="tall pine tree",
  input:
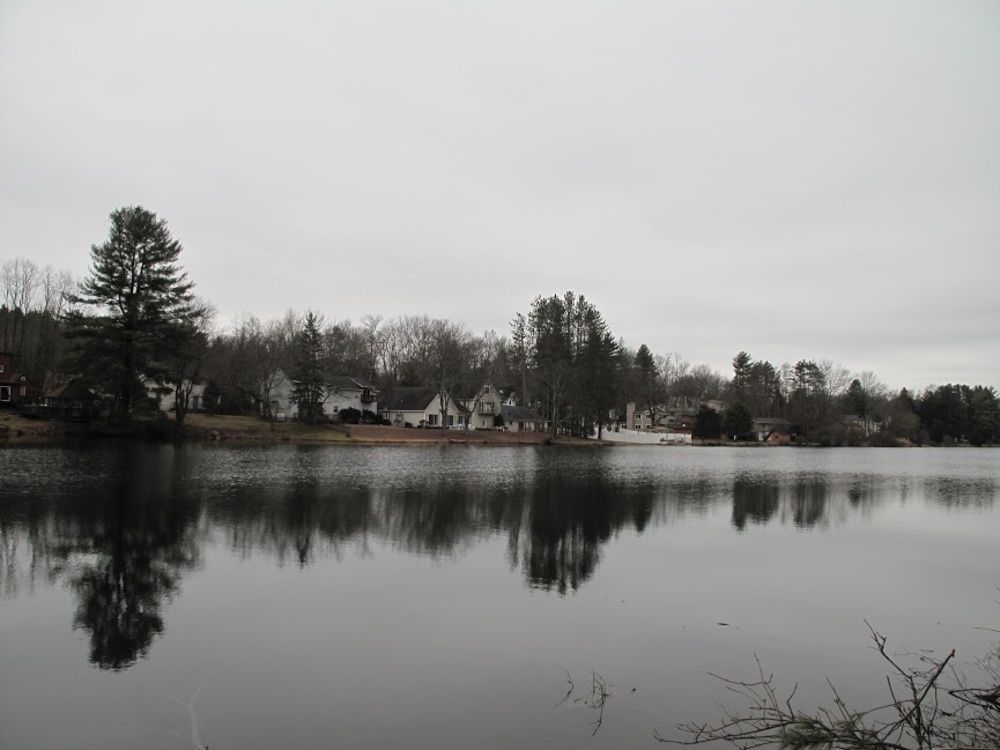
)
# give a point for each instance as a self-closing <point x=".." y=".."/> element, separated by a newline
<point x="131" y="308"/>
<point x="309" y="390"/>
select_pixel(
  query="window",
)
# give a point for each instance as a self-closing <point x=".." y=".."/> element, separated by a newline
<point x="451" y="419"/>
<point x="432" y="419"/>
<point x="24" y="391"/>
<point x="4" y="393"/>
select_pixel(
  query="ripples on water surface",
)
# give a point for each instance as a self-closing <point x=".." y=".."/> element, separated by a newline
<point x="432" y="597"/>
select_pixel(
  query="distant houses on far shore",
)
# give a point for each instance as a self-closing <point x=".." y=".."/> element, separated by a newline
<point x="349" y="398"/>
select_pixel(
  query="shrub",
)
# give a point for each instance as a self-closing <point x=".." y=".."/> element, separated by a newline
<point x="350" y="415"/>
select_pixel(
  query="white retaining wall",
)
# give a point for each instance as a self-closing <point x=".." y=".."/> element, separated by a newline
<point x="645" y="438"/>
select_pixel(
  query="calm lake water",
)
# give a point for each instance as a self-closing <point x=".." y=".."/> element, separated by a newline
<point x="320" y="597"/>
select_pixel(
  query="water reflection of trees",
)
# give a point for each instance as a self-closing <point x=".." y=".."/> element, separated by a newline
<point x="755" y="500"/>
<point x="808" y="499"/>
<point x="805" y="500"/>
<point x="122" y="545"/>
<point x="566" y="520"/>
<point x="554" y="524"/>
<point x="123" y="538"/>
<point x="963" y="492"/>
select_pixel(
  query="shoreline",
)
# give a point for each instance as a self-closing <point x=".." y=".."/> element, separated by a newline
<point x="16" y="430"/>
<point x="200" y="428"/>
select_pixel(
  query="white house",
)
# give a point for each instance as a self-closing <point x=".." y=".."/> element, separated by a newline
<point x="166" y="395"/>
<point x="421" y="407"/>
<point x="767" y="428"/>
<point x="340" y="392"/>
<point x="522" y="419"/>
<point x="483" y="408"/>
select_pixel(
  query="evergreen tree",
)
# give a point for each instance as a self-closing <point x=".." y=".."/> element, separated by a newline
<point x="742" y="364"/>
<point x="309" y="390"/>
<point x="902" y="422"/>
<point x="855" y="400"/>
<point x="551" y="353"/>
<point x="598" y="367"/>
<point x="131" y="308"/>
<point x="983" y="409"/>
<point x="738" y="421"/>
<point x="707" y="424"/>
<point x="808" y="401"/>
<point x="649" y="388"/>
<point x="762" y="392"/>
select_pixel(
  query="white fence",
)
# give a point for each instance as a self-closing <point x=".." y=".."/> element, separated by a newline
<point x="645" y="438"/>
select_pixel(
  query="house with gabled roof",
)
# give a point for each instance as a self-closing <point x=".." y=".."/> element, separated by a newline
<point x="522" y="419"/>
<point x="771" y="429"/>
<point x="483" y="408"/>
<point x="67" y="397"/>
<point x="166" y="395"/>
<point x="340" y="392"/>
<point x="421" y="407"/>
<point x="14" y="386"/>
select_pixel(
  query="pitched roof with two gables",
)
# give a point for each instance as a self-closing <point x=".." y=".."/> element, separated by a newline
<point x="416" y="398"/>
<point x="64" y="388"/>
<point x="338" y="382"/>
<point x="347" y="383"/>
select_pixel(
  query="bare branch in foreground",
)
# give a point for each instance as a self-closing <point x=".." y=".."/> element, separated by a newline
<point x="922" y="713"/>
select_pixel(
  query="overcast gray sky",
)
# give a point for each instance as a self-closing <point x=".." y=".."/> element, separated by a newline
<point x="797" y="179"/>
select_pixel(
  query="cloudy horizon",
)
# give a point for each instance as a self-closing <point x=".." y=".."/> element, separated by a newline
<point x="800" y="181"/>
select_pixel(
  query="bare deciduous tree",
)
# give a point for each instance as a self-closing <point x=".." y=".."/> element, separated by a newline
<point x="19" y="278"/>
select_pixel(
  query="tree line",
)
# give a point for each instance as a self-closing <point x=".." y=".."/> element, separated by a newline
<point x="133" y="327"/>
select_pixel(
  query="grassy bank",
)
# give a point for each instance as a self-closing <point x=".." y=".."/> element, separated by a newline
<point x="16" y="429"/>
<point x="229" y="428"/>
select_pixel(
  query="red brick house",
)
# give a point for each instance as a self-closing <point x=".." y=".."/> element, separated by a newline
<point x="14" y="387"/>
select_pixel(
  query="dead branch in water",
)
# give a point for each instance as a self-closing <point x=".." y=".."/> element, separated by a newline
<point x="921" y="713"/>
<point x="189" y="707"/>
<point x="597" y="700"/>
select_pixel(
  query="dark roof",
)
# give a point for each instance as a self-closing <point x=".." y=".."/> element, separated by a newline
<point x="519" y="414"/>
<point x="468" y="394"/>
<point x="71" y="390"/>
<point x="416" y="399"/>
<point x="347" y="383"/>
<point x="13" y="378"/>
<point x="410" y="399"/>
